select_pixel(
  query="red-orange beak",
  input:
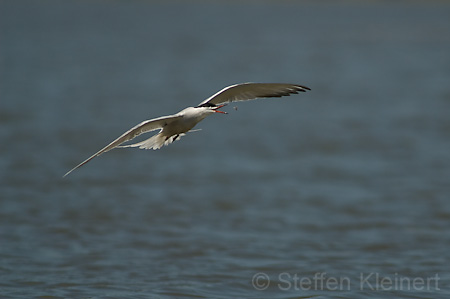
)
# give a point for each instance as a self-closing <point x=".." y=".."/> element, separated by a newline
<point x="218" y="107"/>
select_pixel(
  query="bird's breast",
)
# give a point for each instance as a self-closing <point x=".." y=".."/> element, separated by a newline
<point x="181" y="125"/>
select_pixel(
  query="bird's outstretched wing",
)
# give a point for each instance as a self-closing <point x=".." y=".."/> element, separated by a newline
<point x="251" y="91"/>
<point x="143" y="127"/>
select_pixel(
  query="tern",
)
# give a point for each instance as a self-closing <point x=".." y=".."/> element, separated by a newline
<point x="173" y="127"/>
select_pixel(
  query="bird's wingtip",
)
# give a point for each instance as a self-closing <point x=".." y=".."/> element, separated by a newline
<point x="303" y="88"/>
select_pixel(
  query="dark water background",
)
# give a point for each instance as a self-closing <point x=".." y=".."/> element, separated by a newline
<point x="346" y="181"/>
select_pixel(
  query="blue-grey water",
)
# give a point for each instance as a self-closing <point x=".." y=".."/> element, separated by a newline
<point x="341" y="192"/>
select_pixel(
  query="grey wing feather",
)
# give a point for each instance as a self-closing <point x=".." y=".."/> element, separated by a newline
<point x="250" y="91"/>
<point x="143" y="127"/>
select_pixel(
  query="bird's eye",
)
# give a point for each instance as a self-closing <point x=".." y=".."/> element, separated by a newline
<point x="206" y="105"/>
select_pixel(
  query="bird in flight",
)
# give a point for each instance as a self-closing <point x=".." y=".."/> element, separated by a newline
<point x="173" y="127"/>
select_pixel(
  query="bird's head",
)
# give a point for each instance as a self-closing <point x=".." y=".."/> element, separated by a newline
<point x="211" y="108"/>
<point x="200" y="112"/>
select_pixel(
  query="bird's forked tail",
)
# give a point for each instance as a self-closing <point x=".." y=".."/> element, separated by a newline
<point x="155" y="142"/>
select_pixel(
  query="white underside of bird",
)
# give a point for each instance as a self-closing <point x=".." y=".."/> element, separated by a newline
<point x="173" y="127"/>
